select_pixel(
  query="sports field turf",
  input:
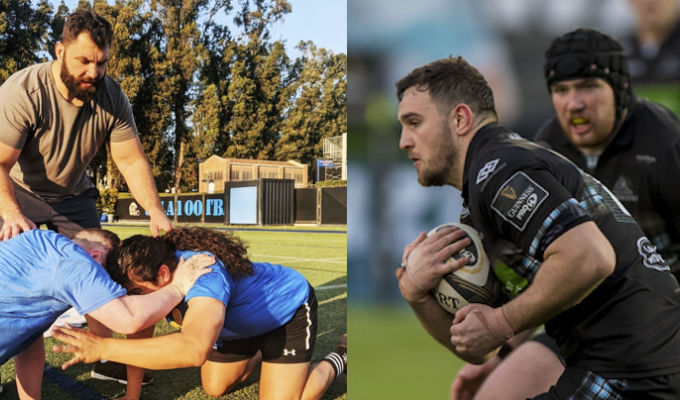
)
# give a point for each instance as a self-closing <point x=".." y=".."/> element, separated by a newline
<point x="394" y="358"/>
<point x="320" y="257"/>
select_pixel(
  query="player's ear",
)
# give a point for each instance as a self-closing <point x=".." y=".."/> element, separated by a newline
<point x="461" y="119"/>
<point x="59" y="50"/>
<point x="164" y="275"/>
<point x="97" y="255"/>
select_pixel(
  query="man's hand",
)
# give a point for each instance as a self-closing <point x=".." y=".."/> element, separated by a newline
<point x="470" y="379"/>
<point x="189" y="271"/>
<point x="478" y="330"/>
<point x="427" y="259"/>
<point x="14" y="224"/>
<point x="160" y="222"/>
<point x="84" y="345"/>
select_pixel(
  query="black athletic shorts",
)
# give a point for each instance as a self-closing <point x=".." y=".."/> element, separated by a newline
<point x="577" y="383"/>
<point x="66" y="217"/>
<point x="289" y="344"/>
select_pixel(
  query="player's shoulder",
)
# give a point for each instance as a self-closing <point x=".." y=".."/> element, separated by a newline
<point x="110" y="92"/>
<point x="30" y="79"/>
<point x="501" y="157"/>
<point x="550" y="132"/>
<point x="654" y="123"/>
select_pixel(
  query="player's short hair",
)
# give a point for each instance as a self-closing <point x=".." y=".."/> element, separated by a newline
<point x="449" y="82"/>
<point x="108" y="242"/>
<point x="98" y="27"/>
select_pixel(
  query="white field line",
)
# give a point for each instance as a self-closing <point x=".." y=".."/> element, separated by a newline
<point x="331" y="287"/>
<point x="338" y="260"/>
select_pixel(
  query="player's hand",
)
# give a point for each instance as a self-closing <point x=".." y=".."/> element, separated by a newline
<point x="160" y="222"/>
<point x="478" y="330"/>
<point x="189" y="271"/>
<point x="470" y="379"/>
<point x="13" y="225"/>
<point x="84" y="345"/>
<point x="127" y="397"/>
<point x="428" y="259"/>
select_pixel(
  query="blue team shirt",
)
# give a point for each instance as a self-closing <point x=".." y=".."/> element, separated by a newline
<point x="43" y="274"/>
<point x="255" y="305"/>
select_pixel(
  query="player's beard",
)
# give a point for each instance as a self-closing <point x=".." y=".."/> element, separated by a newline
<point x="73" y="85"/>
<point x="443" y="162"/>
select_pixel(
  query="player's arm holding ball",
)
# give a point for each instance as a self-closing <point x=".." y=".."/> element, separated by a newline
<point x="576" y="259"/>
<point x="425" y="262"/>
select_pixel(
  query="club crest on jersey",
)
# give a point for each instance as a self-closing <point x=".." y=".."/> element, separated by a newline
<point x="486" y="170"/>
<point x="518" y="199"/>
<point x="650" y="257"/>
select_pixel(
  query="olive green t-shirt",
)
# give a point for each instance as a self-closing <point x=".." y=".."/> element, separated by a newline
<point x="57" y="139"/>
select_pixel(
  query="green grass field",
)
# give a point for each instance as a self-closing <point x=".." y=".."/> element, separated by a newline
<point x="321" y="258"/>
<point x="394" y="358"/>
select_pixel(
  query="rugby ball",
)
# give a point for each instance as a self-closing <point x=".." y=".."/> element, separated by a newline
<point x="474" y="283"/>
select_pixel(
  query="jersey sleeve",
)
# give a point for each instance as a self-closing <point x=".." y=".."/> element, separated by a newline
<point x="85" y="285"/>
<point x="527" y="205"/>
<point x="17" y="115"/>
<point x="216" y="284"/>
<point x="124" y="127"/>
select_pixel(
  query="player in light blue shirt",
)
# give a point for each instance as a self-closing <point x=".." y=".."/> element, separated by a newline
<point x="243" y="314"/>
<point x="43" y="274"/>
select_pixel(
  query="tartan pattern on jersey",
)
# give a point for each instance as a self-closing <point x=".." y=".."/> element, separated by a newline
<point x="595" y="387"/>
<point x="596" y="195"/>
<point x="533" y="248"/>
<point x="530" y="263"/>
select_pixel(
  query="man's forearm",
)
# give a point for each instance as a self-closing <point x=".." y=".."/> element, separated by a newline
<point x="142" y="185"/>
<point x="146" y="310"/>
<point x="8" y="201"/>
<point x="434" y="319"/>
<point x="131" y="314"/>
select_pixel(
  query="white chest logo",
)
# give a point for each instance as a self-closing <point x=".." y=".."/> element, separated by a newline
<point x="486" y="170"/>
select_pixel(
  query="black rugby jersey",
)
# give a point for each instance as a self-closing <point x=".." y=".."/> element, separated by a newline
<point x="521" y="196"/>
<point x="642" y="168"/>
<point x="655" y="72"/>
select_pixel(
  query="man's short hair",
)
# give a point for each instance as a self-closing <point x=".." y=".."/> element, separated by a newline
<point x="107" y="240"/>
<point x="451" y="81"/>
<point x="98" y="27"/>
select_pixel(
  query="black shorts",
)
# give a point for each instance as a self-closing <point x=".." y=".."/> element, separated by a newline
<point x="577" y="383"/>
<point x="289" y="344"/>
<point x="66" y="217"/>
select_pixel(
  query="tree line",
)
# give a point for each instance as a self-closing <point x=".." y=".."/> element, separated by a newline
<point x="199" y="87"/>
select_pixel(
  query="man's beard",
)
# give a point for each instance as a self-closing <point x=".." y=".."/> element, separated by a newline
<point x="73" y="85"/>
<point x="443" y="163"/>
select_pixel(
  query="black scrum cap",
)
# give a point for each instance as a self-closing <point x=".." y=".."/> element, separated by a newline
<point x="586" y="53"/>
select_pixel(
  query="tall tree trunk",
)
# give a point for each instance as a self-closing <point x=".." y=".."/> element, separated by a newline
<point x="180" y="142"/>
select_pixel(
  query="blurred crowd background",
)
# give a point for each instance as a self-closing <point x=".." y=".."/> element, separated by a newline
<point x="505" y="40"/>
